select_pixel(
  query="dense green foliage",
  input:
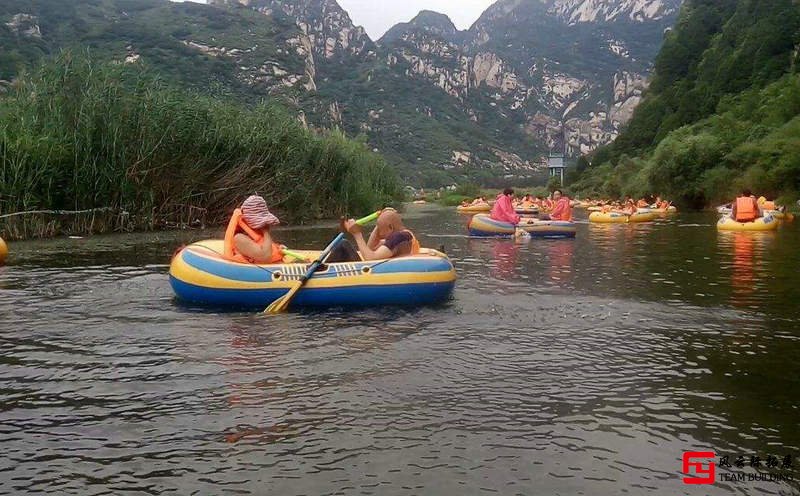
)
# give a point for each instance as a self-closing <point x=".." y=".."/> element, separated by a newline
<point x="720" y="113"/>
<point x="78" y="135"/>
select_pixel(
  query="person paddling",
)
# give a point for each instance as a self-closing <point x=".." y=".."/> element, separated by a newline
<point x="248" y="238"/>
<point x="745" y="208"/>
<point x="389" y="239"/>
<point x="503" y="209"/>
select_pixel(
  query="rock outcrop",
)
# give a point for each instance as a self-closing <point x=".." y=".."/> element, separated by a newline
<point x="566" y="74"/>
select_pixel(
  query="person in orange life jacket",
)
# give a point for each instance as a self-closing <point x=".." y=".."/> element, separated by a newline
<point x="527" y="202"/>
<point x="248" y="237"/>
<point x="745" y="208"/>
<point x="562" y="209"/>
<point x="389" y="239"/>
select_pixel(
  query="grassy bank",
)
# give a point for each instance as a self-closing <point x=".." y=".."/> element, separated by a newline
<point x="132" y="153"/>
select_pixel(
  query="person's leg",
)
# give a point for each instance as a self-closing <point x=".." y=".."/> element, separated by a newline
<point x="345" y="252"/>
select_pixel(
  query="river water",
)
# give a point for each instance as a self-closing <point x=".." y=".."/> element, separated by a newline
<point x="584" y="366"/>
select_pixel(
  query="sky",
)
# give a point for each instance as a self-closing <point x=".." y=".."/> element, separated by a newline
<point x="377" y="16"/>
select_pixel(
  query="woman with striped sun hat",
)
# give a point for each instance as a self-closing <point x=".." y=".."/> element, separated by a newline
<point x="248" y="238"/>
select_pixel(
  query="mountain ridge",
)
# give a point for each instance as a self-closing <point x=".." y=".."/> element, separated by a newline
<point x="440" y="104"/>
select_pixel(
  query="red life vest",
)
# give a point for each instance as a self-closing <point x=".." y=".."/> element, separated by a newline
<point x="237" y="225"/>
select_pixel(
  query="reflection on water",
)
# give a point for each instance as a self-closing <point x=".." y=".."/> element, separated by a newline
<point x="747" y="252"/>
<point x="583" y="366"/>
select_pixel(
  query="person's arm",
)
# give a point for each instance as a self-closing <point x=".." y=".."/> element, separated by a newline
<point x="759" y="210"/>
<point x="252" y="250"/>
<point x="374" y="241"/>
<point x="733" y="210"/>
<point x="367" y="253"/>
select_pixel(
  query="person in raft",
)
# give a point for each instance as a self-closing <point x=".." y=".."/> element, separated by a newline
<point x="562" y="210"/>
<point x="248" y="238"/>
<point x="503" y="209"/>
<point x="630" y="208"/>
<point x="745" y="208"/>
<point x="389" y="239"/>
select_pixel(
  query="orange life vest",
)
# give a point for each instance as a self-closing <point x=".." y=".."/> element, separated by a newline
<point x="237" y="225"/>
<point x="642" y="204"/>
<point x="768" y="205"/>
<point x="414" y="243"/>
<point x="745" y="209"/>
<point x="566" y="216"/>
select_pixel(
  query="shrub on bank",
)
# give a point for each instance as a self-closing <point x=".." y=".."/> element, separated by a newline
<point x="116" y="140"/>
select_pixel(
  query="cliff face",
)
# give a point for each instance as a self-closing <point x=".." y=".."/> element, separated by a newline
<point x="528" y="77"/>
<point x="570" y="72"/>
<point x="565" y="74"/>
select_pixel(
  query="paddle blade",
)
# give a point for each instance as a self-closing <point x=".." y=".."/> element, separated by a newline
<point x="282" y="304"/>
<point x="277" y="306"/>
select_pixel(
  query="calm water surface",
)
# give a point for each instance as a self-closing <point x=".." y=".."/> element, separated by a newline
<point x="583" y="366"/>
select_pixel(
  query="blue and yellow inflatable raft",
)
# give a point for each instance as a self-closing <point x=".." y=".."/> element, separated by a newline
<point x="199" y="274"/>
<point x="485" y="226"/>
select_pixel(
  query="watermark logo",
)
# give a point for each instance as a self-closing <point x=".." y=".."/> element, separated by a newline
<point x="699" y="467"/>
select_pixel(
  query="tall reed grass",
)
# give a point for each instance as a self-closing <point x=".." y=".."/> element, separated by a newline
<point x="77" y="134"/>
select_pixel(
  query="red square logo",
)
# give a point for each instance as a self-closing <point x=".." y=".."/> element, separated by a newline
<point x="696" y="470"/>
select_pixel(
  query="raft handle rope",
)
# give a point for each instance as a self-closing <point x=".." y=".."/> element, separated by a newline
<point x="272" y="273"/>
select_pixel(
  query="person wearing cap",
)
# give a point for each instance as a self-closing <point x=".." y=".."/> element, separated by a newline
<point x="248" y="238"/>
<point x="389" y="239"/>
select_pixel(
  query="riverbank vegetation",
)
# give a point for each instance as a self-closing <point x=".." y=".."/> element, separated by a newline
<point x="722" y="113"/>
<point x="134" y="153"/>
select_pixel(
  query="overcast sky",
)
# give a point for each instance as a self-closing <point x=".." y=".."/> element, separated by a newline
<point x="377" y="16"/>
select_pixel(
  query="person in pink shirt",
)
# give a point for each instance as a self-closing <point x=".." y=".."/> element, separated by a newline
<point x="503" y="209"/>
<point x="562" y="210"/>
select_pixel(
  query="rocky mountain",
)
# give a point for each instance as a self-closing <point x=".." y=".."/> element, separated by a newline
<point x="722" y="112"/>
<point x="426" y="21"/>
<point x="528" y="77"/>
<point x="562" y="74"/>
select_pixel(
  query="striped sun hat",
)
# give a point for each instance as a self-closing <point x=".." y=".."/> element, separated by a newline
<point x="256" y="214"/>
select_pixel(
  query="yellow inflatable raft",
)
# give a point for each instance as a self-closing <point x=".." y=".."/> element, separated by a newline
<point x="475" y="209"/>
<point x="780" y="215"/>
<point x="621" y="218"/>
<point x="200" y="274"/>
<point x="672" y="209"/>
<point x="767" y="223"/>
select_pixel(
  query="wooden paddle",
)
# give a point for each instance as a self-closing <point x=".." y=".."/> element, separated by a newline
<point x="282" y="303"/>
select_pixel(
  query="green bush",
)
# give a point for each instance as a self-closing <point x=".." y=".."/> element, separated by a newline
<point x="77" y="135"/>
